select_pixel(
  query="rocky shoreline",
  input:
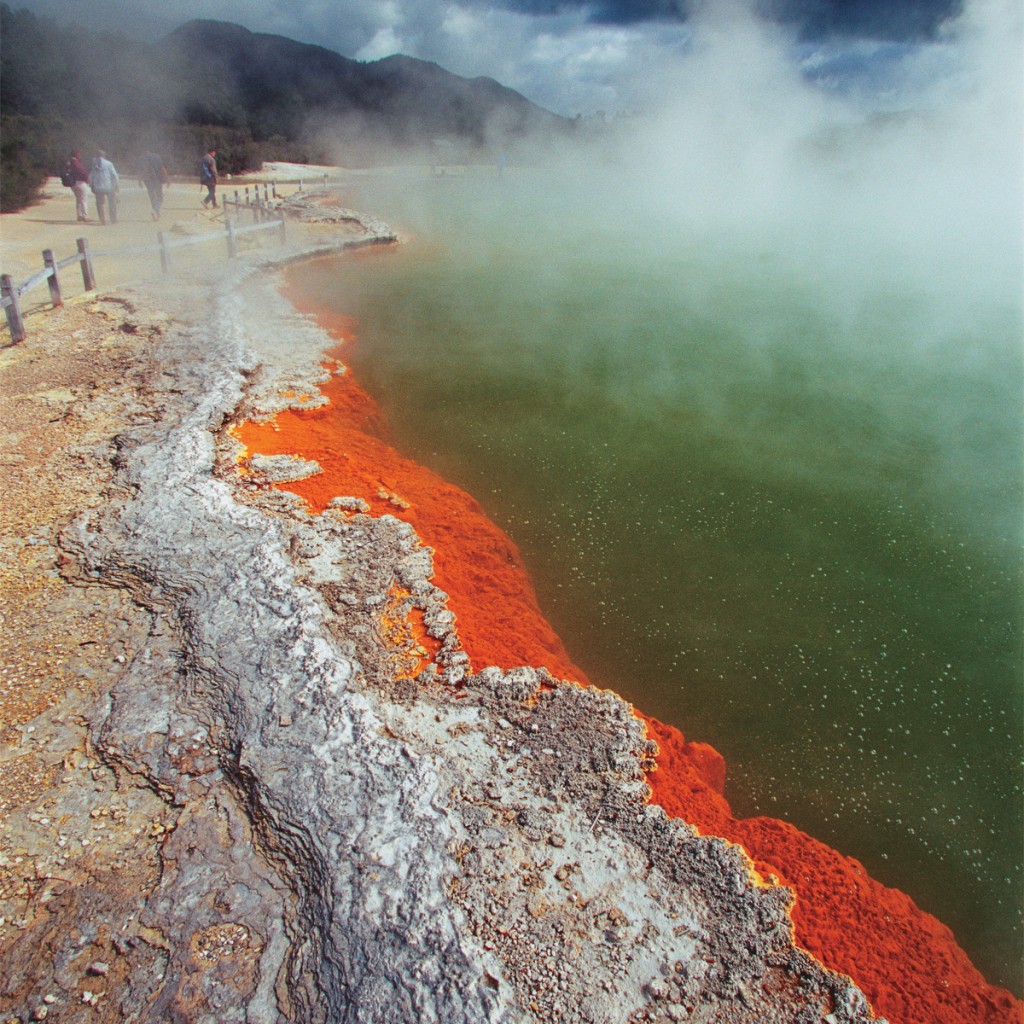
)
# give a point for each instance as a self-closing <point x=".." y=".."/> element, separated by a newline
<point x="222" y="798"/>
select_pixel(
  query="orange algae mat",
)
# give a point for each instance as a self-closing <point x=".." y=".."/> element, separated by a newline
<point x="475" y="563"/>
<point x="906" y="962"/>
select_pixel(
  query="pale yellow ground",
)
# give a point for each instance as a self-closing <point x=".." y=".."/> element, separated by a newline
<point x="51" y="224"/>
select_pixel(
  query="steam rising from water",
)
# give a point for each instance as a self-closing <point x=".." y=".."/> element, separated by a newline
<point x="849" y="188"/>
<point x="891" y="217"/>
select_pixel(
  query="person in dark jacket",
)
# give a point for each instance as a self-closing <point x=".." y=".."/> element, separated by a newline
<point x="208" y="177"/>
<point x="79" y="185"/>
<point x="154" y="176"/>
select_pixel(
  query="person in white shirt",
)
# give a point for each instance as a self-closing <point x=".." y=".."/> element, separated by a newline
<point x="105" y="184"/>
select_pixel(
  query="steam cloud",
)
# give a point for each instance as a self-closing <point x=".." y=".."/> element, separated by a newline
<point x="926" y="180"/>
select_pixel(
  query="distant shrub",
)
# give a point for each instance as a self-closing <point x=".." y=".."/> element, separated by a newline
<point x="23" y="167"/>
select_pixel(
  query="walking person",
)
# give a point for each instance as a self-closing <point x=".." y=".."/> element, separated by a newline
<point x="78" y="182"/>
<point x="105" y="184"/>
<point x="154" y="177"/>
<point x="208" y="177"/>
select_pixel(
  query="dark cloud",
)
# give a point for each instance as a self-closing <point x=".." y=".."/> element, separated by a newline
<point x="902" y="20"/>
<point x="893" y="20"/>
<point x="611" y="12"/>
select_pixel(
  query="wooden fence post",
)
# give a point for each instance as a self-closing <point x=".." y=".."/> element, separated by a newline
<point x="256" y="210"/>
<point x="281" y="231"/>
<point x="53" y="281"/>
<point x="236" y="198"/>
<point x="246" y="195"/>
<point x="274" y="189"/>
<point x="88" y="277"/>
<point x="230" y="225"/>
<point x="165" y="255"/>
<point x="9" y="292"/>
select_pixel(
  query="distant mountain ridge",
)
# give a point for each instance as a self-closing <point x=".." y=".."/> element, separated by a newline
<point x="281" y="84"/>
<point x="254" y="96"/>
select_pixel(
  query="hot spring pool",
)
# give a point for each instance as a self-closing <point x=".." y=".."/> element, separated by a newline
<point x="767" y="492"/>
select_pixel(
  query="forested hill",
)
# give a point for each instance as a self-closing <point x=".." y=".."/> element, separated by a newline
<point x="253" y="96"/>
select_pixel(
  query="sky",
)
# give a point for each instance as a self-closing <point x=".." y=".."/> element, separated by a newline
<point x="570" y="56"/>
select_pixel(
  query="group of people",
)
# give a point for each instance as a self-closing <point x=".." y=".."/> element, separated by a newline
<point x="102" y="179"/>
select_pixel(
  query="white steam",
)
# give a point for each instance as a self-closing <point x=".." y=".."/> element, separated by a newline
<point x="744" y="149"/>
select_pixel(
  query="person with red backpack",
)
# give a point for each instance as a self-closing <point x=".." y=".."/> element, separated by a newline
<point x="76" y="177"/>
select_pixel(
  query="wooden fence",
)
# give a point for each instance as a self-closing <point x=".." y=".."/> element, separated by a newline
<point x="10" y="294"/>
<point x="257" y="197"/>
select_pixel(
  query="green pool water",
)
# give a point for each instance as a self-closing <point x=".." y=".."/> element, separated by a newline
<point x="766" y="499"/>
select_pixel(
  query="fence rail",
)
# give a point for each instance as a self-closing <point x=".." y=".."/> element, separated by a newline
<point x="243" y="199"/>
<point x="10" y="293"/>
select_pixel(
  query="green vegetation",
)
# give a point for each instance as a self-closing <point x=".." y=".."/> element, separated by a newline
<point x="254" y="97"/>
